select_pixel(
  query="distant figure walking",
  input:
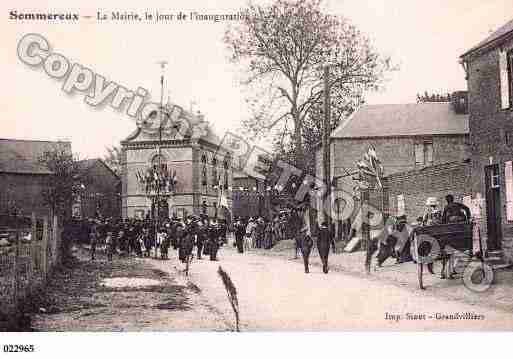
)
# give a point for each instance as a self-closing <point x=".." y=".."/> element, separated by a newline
<point x="239" y="235"/>
<point x="324" y="240"/>
<point x="304" y="240"/>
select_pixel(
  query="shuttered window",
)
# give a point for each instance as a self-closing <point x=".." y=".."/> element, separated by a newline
<point x="508" y="171"/>
<point x="510" y="75"/>
<point x="504" y="79"/>
<point x="419" y="154"/>
<point x="424" y="154"/>
<point x="401" y="208"/>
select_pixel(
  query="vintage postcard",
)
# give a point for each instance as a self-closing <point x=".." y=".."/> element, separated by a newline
<point x="255" y="166"/>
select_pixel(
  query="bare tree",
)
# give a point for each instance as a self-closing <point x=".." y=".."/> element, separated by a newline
<point x="62" y="186"/>
<point x="113" y="159"/>
<point x="282" y="49"/>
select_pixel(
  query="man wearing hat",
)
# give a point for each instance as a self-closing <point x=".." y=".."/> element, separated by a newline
<point x="432" y="214"/>
<point x="239" y="229"/>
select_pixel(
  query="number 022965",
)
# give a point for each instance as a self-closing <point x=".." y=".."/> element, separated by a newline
<point x="18" y="348"/>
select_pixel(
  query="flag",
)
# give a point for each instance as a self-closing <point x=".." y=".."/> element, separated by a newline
<point x="223" y="201"/>
<point x="371" y="165"/>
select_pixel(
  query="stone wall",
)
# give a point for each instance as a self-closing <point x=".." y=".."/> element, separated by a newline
<point x="417" y="185"/>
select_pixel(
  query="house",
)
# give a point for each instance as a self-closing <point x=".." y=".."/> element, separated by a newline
<point x="489" y="70"/>
<point x="409" y="139"/>
<point x="100" y="190"/>
<point x="22" y="177"/>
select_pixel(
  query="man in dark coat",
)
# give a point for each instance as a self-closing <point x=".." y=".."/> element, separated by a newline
<point x="201" y="237"/>
<point x="455" y="212"/>
<point x="306" y="244"/>
<point x="240" y="229"/>
<point x="213" y="240"/>
<point x="324" y="239"/>
<point x="185" y="244"/>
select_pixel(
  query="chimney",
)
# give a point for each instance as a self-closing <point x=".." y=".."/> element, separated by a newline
<point x="459" y="100"/>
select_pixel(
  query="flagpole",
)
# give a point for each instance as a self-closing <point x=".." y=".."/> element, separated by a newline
<point x="157" y="198"/>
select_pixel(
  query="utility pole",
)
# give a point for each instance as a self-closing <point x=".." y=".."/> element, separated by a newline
<point x="326" y="144"/>
<point x="159" y="157"/>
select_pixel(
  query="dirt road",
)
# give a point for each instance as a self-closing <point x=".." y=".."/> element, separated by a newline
<point x="275" y="294"/>
<point x="128" y="294"/>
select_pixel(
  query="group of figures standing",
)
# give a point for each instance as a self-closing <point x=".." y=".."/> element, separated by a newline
<point x="260" y="233"/>
<point x="135" y="236"/>
<point x="203" y="236"/>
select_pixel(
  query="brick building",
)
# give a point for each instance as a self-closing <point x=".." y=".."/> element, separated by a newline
<point x="489" y="70"/>
<point x="22" y="177"/>
<point x="408" y="138"/>
<point x="406" y="192"/>
<point x="100" y="190"/>
<point x="201" y="165"/>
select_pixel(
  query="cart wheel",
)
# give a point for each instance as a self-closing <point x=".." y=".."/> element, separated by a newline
<point x="420" y="269"/>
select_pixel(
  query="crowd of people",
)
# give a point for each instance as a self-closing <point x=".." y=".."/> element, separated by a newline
<point x="198" y="236"/>
<point x="258" y="232"/>
<point x="142" y="238"/>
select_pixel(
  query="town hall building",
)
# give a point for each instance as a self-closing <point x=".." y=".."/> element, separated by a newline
<point x="191" y="151"/>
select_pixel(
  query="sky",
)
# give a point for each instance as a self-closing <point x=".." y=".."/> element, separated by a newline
<point x="424" y="38"/>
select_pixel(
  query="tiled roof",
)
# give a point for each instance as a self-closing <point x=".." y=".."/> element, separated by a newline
<point x="85" y="165"/>
<point x="434" y="118"/>
<point x="503" y="30"/>
<point x="22" y="156"/>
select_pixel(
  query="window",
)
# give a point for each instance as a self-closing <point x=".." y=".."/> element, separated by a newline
<point x="401" y="207"/>
<point x="506" y="78"/>
<point x="509" y="190"/>
<point x="424" y="154"/>
<point x="510" y="75"/>
<point x="508" y="138"/>
<point x="495" y="180"/>
<point x="225" y="174"/>
<point x="204" y="180"/>
<point x="214" y="172"/>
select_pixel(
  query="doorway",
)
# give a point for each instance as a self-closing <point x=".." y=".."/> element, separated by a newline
<point x="493" y="207"/>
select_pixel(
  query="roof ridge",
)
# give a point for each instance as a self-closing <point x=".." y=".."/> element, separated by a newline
<point x="388" y="120"/>
<point x="501" y="31"/>
<point x="26" y="140"/>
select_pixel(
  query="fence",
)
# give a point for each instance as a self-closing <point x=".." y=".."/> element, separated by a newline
<point x="29" y="252"/>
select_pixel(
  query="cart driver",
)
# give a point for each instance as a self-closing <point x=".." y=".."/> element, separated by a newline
<point x="455" y="212"/>
<point x="432" y="214"/>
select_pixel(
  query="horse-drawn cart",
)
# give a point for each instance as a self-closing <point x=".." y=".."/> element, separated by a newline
<point x="445" y="242"/>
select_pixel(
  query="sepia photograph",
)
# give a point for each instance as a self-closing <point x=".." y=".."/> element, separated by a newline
<point x="255" y="166"/>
